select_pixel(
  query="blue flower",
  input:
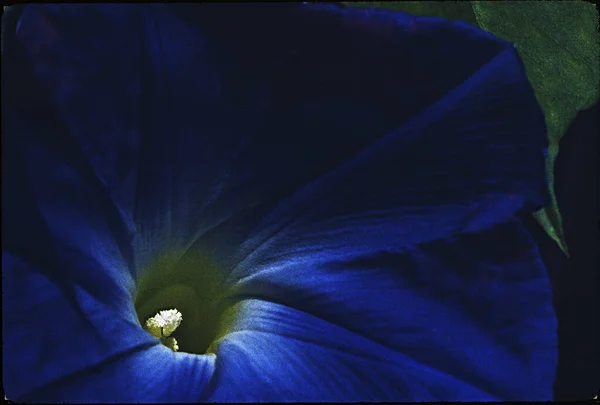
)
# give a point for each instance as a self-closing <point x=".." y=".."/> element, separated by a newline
<point x="331" y="195"/>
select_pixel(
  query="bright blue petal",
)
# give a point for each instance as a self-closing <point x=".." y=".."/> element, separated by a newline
<point x="476" y="308"/>
<point x="52" y="354"/>
<point x="355" y="173"/>
<point x="276" y="353"/>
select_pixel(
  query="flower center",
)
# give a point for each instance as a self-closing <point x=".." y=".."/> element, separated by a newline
<point x="195" y="286"/>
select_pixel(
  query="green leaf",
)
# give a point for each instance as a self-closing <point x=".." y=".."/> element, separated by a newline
<point x="559" y="44"/>
<point x="460" y="10"/>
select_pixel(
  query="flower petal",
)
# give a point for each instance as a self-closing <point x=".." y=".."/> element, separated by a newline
<point x="57" y="350"/>
<point x="66" y="266"/>
<point x="279" y="354"/>
<point x="476" y="308"/>
<point x="271" y="113"/>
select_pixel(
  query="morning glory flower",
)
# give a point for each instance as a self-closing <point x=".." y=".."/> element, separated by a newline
<point x="329" y="198"/>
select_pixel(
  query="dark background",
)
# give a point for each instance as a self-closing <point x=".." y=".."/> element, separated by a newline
<point x="576" y="280"/>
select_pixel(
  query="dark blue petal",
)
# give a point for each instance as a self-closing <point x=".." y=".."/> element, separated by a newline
<point x="361" y="169"/>
<point x="67" y="268"/>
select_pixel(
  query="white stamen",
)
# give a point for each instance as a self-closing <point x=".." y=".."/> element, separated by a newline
<point x="164" y="323"/>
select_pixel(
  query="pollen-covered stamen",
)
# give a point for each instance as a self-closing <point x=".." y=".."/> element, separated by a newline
<point x="164" y="323"/>
<point x="170" y="342"/>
